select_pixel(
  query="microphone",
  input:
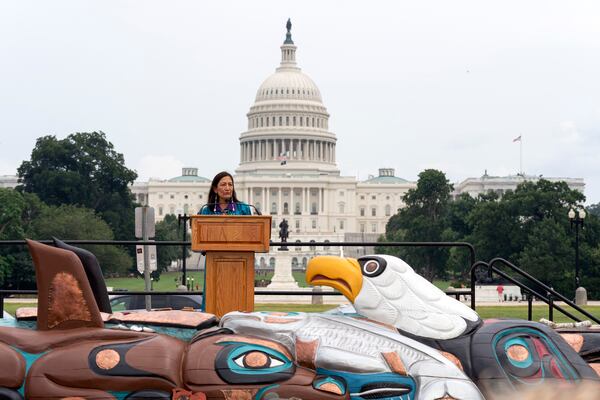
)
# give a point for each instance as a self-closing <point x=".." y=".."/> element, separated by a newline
<point x="213" y="206"/>
<point x="255" y="209"/>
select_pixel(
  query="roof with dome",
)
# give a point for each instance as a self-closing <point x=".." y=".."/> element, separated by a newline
<point x="189" y="175"/>
<point x="386" y="177"/>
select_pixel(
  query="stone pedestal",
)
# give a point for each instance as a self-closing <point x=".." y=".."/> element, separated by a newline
<point x="283" y="278"/>
<point x="581" y="296"/>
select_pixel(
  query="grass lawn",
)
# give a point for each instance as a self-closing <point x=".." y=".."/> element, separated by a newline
<point x="169" y="280"/>
<point x="517" y="312"/>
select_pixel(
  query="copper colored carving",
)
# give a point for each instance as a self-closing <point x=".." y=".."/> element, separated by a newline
<point x="306" y="352"/>
<point x="66" y="301"/>
<point x="453" y="358"/>
<point x="395" y="362"/>
<point x="517" y="353"/>
<point x="107" y="359"/>
<point x="574" y="340"/>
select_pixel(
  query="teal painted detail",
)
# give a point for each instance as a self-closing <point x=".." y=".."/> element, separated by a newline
<point x="519" y="342"/>
<point x="30" y="358"/>
<point x="287" y="314"/>
<point x="318" y="384"/>
<point x="568" y="372"/>
<point x="13" y="323"/>
<point x="276" y="357"/>
<point x="261" y="392"/>
<point x="119" y="395"/>
<point x="355" y="381"/>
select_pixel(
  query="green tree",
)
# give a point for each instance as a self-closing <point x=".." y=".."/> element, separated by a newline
<point x="84" y="170"/>
<point x="68" y="222"/>
<point x="17" y="213"/>
<point x="423" y="219"/>
<point x="548" y="255"/>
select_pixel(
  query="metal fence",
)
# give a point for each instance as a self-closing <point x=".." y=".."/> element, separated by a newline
<point x="184" y="244"/>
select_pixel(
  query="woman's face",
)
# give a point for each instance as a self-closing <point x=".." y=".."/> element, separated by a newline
<point x="224" y="189"/>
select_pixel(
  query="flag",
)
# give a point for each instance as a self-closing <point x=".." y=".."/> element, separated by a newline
<point x="517" y="139"/>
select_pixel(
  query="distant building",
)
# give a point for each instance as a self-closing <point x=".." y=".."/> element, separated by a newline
<point x="288" y="170"/>
<point x="500" y="184"/>
<point x="9" y="181"/>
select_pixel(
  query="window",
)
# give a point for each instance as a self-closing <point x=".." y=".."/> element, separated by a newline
<point x="160" y="196"/>
<point x="200" y="196"/>
<point x="362" y="228"/>
<point x="341" y="193"/>
<point x="304" y="262"/>
<point x="298" y="248"/>
<point x="388" y="210"/>
<point x="314" y="224"/>
<point x="341" y="224"/>
<point x="280" y="121"/>
<point x="272" y="262"/>
<point x="313" y="208"/>
<point x="273" y="223"/>
<point x="294" y="263"/>
<point x="342" y="208"/>
<point x="273" y="208"/>
<point x="285" y="208"/>
<point x="160" y="211"/>
<point x="362" y="211"/>
<point x="374" y="212"/>
<point x="185" y="209"/>
<point x="257" y="205"/>
<point x="373" y="197"/>
<point x="312" y="246"/>
<point x="172" y="196"/>
<point x="297" y="224"/>
<point x="297" y="208"/>
<point x="373" y="227"/>
<point x="387" y="197"/>
<point x="287" y="121"/>
<point x="362" y="197"/>
<point x="326" y="246"/>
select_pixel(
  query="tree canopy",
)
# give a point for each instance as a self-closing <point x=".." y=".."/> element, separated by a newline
<point x="528" y="226"/>
<point x="84" y="170"/>
<point x="423" y="220"/>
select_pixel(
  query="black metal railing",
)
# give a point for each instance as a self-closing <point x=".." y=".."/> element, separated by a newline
<point x="549" y="297"/>
<point x="457" y="292"/>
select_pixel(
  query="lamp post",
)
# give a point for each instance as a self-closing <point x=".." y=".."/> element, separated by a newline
<point x="576" y="218"/>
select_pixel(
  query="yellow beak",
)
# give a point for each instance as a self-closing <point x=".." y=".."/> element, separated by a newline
<point x="343" y="274"/>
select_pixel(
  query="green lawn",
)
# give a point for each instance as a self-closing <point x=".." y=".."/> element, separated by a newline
<point x="169" y="280"/>
<point x="518" y="312"/>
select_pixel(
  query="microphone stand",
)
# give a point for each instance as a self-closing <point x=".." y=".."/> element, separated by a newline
<point x="185" y="218"/>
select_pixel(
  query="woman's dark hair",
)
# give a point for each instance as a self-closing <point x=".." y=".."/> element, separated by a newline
<point x="212" y="196"/>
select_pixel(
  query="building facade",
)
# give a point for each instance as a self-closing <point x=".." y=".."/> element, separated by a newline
<point x="288" y="170"/>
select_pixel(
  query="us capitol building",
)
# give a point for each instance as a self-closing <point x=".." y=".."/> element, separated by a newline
<point x="288" y="169"/>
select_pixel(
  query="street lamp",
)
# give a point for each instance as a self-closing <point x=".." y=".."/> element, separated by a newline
<point x="576" y="218"/>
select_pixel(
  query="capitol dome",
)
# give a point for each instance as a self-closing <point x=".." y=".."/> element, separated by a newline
<point x="288" y="84"/>
<point x="288" y="125"/>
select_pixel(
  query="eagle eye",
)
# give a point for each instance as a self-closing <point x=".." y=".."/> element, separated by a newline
<point x="372" y="266"/>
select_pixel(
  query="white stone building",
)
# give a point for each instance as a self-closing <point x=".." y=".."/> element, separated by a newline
<point x="500" y="184"/>
<point x="288" y="169"/>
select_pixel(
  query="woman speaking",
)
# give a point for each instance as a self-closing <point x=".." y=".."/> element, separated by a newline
<point x="222" y="199"/>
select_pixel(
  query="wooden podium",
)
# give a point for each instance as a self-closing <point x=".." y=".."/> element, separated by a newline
<point x="230" y="242"/>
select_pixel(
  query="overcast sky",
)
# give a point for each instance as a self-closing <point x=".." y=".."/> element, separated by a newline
<point x="409" y="85"/>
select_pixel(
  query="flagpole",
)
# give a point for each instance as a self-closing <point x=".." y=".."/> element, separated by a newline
<point x="521" y="154"/>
